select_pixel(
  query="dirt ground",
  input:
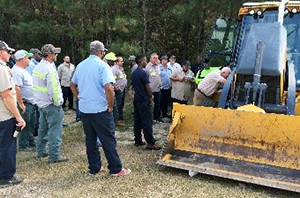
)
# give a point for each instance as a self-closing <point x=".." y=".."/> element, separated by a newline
<point x="147" y="179"/>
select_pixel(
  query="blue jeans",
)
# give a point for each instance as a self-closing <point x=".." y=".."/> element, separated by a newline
<point x="50" y="129"/>
<point x="143" y="121"/>
<point x="115" y="108"/>
<point x="156" y="109"/>
<point x="101" y="125"/>
<point x="120" y="103"/>
<point x="8" y="149"/>
<point x="26" y="138"/>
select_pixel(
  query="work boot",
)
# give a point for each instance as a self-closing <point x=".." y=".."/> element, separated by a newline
<point x="153" y="147"/>
<point x="9" y="182"/>
<point x="43" y="155"/>
<point x="58" y="159"/>
<point x="119" y="123"/>
<point x="139" y="144"/>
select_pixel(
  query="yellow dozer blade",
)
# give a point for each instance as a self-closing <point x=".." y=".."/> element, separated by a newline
<point x="253" y="147"/>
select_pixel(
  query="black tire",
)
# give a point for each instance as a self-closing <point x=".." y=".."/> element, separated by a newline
<point x="209" y="103"/>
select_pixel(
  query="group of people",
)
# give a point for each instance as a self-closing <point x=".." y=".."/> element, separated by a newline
<point x="35" y="88"/>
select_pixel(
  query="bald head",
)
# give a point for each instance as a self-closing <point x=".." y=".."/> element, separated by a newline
<point x="225" y="72"/>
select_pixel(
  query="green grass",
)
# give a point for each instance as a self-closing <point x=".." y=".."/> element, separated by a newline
<point x="147" y="179"/>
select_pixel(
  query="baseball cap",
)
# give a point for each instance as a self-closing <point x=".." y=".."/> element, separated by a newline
<point x="21" y="54"/>
<point x="97" y="46"/>
<point x="50" y="49"/>
<point x="4" y="46"/>
<point x="35" y="50"/>
<point x="164" y="57"/>
<point x="173" y="57"/>
<point x="131" y="58"/>
<point x="111" y="56"/>
<point x="186" y="63"/>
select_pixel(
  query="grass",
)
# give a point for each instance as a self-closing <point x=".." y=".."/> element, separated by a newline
<point x="147" y="179"/>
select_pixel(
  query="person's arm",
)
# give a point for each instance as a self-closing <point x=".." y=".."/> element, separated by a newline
<point x="53" y="87"/>
<point x="9" y="102"/>
<point x="148" y="90"/>
<point x="19" y="99"/>
<point x="59" y="72"/>
<point x="223" y="81"/>
<point x="74" y="89"/>
<point x="109" y="92"/>
<point x="175" y="78"/>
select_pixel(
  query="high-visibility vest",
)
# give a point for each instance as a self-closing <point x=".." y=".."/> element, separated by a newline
<point x="201" y="74"/>
<point x="46" y="87"/>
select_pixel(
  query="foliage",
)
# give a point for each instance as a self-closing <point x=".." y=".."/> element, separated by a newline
<point x="179" y="27"/>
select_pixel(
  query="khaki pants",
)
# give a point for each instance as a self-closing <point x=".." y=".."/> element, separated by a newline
<point x="198" y="98"/>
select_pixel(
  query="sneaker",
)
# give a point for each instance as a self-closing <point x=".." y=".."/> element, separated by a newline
<point x="153" y="147"/>
<point x="158" y="121"/>
<point x="140" y="144"/>
<point x="122" y="172"/>
<point x="78" y="119"/>
<point x="58" y="159"/>
<point x="9" y="182"/>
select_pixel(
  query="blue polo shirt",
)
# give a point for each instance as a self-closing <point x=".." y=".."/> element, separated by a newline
<point x="90" y="76"/>
<point x="31" y="66"/>
<point x="139" y="79"/>
<point x="165" y="75"/>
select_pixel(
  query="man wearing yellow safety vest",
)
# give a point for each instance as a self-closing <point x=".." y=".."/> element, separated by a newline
<point x="202" y="73"/>
<point x="48" y="96"/>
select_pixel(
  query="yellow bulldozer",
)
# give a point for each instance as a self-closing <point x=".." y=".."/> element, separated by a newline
<point x="254" y="133"/>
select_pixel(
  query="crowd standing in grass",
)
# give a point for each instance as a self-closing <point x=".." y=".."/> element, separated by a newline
<point x="34" y="93"/>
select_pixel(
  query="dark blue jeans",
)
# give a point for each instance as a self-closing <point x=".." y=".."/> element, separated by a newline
<point x="143" y="121"/>
<point x="8" y="149"/>
<point x="78" y="114"/>
<point x="101" y="125"/>
<point x="156" y="109"/>
<point x="120" y="103"/>
<point x="68" y="95"/>
<point x="165" y="101"/>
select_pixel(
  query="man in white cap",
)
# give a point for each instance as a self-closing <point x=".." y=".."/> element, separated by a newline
<point x="93" y="83"/>
<point x="48" y="96"/>
<point x="25" y="98"/>
<point x="9" y="119"/>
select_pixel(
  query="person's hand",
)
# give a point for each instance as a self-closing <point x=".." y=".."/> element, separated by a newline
<point x="23" y="107"/>
<point x="20" y="122"/>
<point x="110" y="109"/>
<point x="180" y="79"/>
<point x="117" y="88"/>
<point x="152" y="98"/>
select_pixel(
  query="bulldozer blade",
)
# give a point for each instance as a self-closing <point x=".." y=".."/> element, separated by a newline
<point x="253" y="147"/>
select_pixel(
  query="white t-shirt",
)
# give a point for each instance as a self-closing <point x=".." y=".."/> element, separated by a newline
<point x="210" y="83"/>
<point x="174" y="67"/>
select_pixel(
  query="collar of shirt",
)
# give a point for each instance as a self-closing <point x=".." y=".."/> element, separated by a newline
<point x="18" y="67"/>
<point x="2" y="62"/>
<point x="34" y="61"/>
<point x="94" y="57"/>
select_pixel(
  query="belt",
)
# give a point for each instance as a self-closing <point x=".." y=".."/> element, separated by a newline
<point x="203" y="93"/>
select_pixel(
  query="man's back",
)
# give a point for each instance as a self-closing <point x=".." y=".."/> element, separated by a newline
<point x="46" y="85"/>
<point x="139" y="80"/>
<point x="91" y="75"/>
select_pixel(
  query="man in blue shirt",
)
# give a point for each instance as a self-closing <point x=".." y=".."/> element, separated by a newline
<point x="165" y="74"/>
<point x="93" y="82"/>
<point x="142" y="106"/>
<point x="37" y="57"/>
